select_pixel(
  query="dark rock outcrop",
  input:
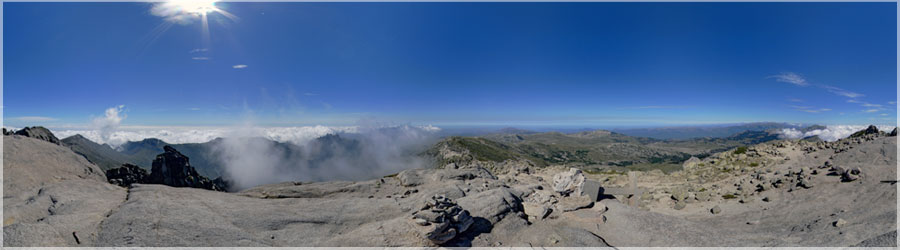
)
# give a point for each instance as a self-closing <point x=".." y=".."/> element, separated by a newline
<point x="868" y="131"/>
<point x="126" y="175"/>
<point x="172" y="168"/>
<point x="223" y="184"/>
<point x="39" y="133"/>
<point x="894" y="132"/>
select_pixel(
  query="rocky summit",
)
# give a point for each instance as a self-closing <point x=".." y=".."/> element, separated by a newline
<point x="773" y="194"/>
<point x="171" y="168"/>
<point x="39" y="133"/>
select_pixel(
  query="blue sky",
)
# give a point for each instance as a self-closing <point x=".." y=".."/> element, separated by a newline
<point x="452" y="64"/>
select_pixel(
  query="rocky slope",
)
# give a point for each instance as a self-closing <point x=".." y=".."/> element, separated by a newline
<point x="52" y="196"/>
<point x="783" y="193"/>
<point x="778" y="193"/>
<point x="103" y="156"/>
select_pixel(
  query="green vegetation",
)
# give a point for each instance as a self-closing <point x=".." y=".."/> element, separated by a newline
<point x="584" y="149"/>
<point x="646" y="167"/>
<point x="729" y="196"/>
<point x="754" y="164"/>
<point x="598" y="171"/>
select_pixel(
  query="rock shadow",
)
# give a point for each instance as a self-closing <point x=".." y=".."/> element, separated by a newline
<point x="479" y="226"/>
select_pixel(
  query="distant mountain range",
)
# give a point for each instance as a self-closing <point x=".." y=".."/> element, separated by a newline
<point x="586" y="147"/>
<point x="711" y="131"/>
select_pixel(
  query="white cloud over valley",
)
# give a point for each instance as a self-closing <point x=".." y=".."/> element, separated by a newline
<point x="830" y="133"/>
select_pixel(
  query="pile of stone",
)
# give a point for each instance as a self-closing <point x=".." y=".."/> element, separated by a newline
<point x="441" y="219"/>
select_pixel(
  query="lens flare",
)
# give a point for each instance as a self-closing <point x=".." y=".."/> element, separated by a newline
<point x="187" y="12"/>
<point x="198" y="7"/>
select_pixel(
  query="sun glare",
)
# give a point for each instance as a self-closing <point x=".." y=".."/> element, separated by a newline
<point x="199" y="7"/>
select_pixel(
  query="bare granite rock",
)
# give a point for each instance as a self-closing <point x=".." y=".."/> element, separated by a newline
<point x="570" y="182"/>
<point x="52" y="195"/>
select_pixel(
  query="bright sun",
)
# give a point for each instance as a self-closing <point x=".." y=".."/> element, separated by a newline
<point x="199" y="7"/>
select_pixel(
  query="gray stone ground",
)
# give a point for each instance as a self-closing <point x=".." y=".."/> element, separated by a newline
<point x="50" y="192"/>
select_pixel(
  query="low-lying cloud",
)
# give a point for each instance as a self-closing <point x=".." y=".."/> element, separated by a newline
<point x="830" y="133"/>
<point x="366" y="153"/>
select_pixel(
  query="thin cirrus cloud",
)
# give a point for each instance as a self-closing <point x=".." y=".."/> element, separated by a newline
<point x="200" y="58"/>
<point x="799" y="80"/>
<point x="841" y="92"/>
<point x="790" y="77"/>
<point x="239" y="66"/>
<point x="808" y="109"/>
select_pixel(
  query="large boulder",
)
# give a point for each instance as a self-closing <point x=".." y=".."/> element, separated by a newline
<point x="172" y="168"/>
<point x="570" y="182"/>
<point x="690" y="163"/>
<point x="39" y="133"/>
<point x="492" y="205"/>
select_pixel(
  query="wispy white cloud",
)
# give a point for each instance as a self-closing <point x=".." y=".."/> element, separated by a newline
<point x="871" y="105"/>
<point x="200" y="58"/>
<point x="198" y="50"/>
<point x="790" y="77"/>
<point x="892" y="103"/>
<point x="808" y="109"/>
<point x="842" y="92"/>
<point x="239" y="66"/>
<point x="194" y="109"/>
<point x="33" y="119"/>
<point x="795" y="100"/>
<point x="871" y="110"/>
<point x="310" y="94"/>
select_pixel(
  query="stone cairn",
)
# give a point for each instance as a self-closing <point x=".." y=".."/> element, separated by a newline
<point x="441" y="219"/>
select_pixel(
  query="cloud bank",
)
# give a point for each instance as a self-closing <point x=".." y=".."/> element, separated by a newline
<point x="830" y="133"/>
<point x="366" y="153"/>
